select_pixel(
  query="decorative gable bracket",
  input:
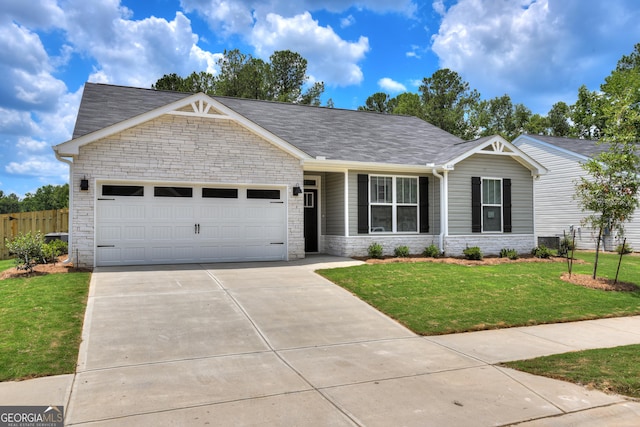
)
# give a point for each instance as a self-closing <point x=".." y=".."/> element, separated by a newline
<point x="200" y="108"/>
<point x="498" y="147"/>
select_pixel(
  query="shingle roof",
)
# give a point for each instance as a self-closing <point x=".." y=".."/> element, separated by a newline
<point x="583" y="147"/>
<point x="332" y="133"/>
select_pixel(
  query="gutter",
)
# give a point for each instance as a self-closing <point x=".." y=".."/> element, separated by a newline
<point x="444" y="203"/>
<point x="70" y="240"/>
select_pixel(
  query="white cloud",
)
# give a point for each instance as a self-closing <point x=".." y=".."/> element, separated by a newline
<point x="34" y="13"/>
<point x="347" y="21"/>
<point x="534" y="46"/>
<point x="391" y="86"/>
<point x="330" y="58"/>
<point x="38" y="166"/>
<point x="31" y="145"/>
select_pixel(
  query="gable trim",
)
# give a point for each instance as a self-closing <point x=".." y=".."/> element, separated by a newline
<point x="505" y="148"/>
<point x="201" y="105"/>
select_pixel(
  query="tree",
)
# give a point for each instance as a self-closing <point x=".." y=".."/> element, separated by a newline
<point x="586" y="114"/>
<point x="408" y="104"/>
<point x="243" y="76"/>
<point x="9" y="203"/>
<point x="558" y="118"/>
<point x="378" y="102"/>
<point x="46" y="198"/>
<point x="537" y="125"/>
<point x="288" y="74"/>
<point x="609" y="193"/>
<point x="447" y="102"/>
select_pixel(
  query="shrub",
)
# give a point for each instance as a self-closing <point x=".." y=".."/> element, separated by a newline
<point x="624" y="249"/>
<point x="375" y="250"/>
<point x="565" y="246"/>
<point x="473" y="253"/>
<point x="509" y="253"/>
<point x="541" y="252"/>
<point x="28" y="250"/>
<point x="54" y="249"/>
<point x="401" y="251"/>
<point x="431" y="251"/>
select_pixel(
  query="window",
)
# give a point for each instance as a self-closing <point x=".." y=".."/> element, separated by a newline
<point x="393" y="204"/>
<point x="173" y="192"/>
<point x="220" y="193"/>
<point x="492" y="205"/>
<point x="263" y="194"/>
<point x="123" y="190"/>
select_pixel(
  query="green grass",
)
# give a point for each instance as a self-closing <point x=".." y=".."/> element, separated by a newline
<point x="431" y="298"/>
<point x="40" y="323"/>
<point x="614" y="370"/>
<point x="6" y="264"/>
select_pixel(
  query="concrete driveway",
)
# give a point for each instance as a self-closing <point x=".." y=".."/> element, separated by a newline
<point x="276" y="344"/>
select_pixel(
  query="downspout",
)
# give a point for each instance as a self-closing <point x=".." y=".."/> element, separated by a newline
<point x="70" y="163"/>
<point x="444" y="204"/>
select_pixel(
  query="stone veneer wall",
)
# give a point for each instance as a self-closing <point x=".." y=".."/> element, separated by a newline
<point x="489" y="244"/>
<point x="358" y="245"/>
<point x="182" y="150"/>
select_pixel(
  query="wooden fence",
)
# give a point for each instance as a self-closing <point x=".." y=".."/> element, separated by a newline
<point x="55" y="221"/>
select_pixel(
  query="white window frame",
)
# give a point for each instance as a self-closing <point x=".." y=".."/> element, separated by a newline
<point x="500" y="205"/>
<point x="394" y="204"/>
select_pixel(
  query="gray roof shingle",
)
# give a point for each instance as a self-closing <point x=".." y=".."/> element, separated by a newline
<point x="583" y="147"/>
<point x="332" y="133"/>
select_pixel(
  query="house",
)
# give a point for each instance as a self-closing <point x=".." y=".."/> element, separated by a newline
<point x="556" y="211"/>
<point x="168" y="177"/>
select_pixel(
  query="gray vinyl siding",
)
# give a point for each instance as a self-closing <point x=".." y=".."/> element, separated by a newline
<point x="556" y="208"/>
<point x="490" y="166"/>
<point x="333" y="190"/>
<point x="434" y="199"/>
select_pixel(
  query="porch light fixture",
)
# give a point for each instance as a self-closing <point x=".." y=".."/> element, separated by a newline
<point x="84" y="184"/>
<point x="297" y="190"/>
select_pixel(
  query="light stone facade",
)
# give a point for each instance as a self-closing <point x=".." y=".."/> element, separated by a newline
<point x="489" y="244"/>
<point x="184" y="150"/>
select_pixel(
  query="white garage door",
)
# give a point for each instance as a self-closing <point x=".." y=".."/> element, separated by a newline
<point x="159" y="224"/>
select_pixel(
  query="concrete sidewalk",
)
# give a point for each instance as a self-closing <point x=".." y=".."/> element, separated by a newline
<point x="276" y="344"/>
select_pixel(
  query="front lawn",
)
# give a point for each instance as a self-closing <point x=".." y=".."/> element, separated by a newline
<point x="40" y="323"/>
<point x="613" y="370"/>
<point x="431" y="298"/>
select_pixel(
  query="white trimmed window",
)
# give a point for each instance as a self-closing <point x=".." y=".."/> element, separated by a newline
<point x="393" y="204"/>
<point x="492" y="205"/>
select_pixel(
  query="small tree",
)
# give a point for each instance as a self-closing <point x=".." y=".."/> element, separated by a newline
<point x="27" y="249"/>
<point x="609" y="193"/>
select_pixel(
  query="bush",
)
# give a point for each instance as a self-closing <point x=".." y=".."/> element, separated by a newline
<point x="509" y="253"/>
<point x="401" y="251"/>
<point x="473" y="253"/>
<point x="375" y="250"/>
<point x="541" y="252"/>
<point x="565" y="246"/>
<point x="431" y="251"/>
<point x="624" y="249"/>
<point x="54" y="249"/>
<point x="28" y="250"/>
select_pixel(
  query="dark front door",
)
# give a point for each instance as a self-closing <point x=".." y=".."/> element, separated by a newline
<point x="310" y="220"/>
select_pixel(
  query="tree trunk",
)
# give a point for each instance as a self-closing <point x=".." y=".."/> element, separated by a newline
<point x="595" y="264"/>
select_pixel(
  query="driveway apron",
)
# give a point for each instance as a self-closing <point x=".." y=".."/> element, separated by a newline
<point x="276" y="344"/>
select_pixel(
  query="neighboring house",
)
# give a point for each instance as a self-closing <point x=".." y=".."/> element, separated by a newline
<point x="168" y="177"/>
<point x="557" y="211"/>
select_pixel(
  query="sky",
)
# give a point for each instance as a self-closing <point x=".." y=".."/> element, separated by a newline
<point x="538" y="52"/>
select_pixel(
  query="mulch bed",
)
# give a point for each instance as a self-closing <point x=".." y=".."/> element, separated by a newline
<point x="42" y="269"/>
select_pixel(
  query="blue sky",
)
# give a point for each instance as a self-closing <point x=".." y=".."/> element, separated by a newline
<point x="537" y="51"/>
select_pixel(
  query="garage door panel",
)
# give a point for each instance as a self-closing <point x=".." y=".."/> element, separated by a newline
<point x="154" y="230"/>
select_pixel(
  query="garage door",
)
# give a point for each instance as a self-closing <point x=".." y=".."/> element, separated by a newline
<point x="158" y="224"/>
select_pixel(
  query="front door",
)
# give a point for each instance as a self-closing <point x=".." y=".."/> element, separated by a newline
<point x="311" y="220"/>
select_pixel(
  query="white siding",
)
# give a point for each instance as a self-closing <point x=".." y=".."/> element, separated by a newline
<point x="556" y="209"/>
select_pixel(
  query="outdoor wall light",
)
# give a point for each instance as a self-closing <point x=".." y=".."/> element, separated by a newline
<point x="297" y="190"/>
<point x="84" y="184"/>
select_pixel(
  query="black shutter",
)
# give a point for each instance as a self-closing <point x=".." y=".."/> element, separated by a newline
<point x="363" y="204"/>
<point x="423" y="185"/>
<point x="476" y="205"/>
<point x="506" y="205"/>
